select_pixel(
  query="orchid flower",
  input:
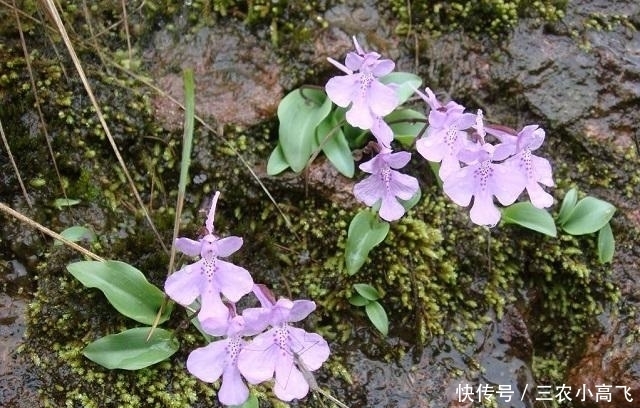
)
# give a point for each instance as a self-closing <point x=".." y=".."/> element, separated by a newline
<point x="220" y="358"/>
<point x="446" y="134"/>
<point x="368" y="98"/>
<point x="278" y="352"/>
<point x="482" y="179"/>
<point x="209" y="276"/>
<point x="387" y="184"/>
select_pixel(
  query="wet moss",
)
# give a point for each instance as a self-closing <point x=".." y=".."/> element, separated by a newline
<point x="439" y="275"/>
<point x="492" y="18"/>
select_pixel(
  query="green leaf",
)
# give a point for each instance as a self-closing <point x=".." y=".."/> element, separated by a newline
<point x="378" y="317"/>
<point x="365" y="232"/>
<point x="407" y="84"/>
<point x="568" y="204"/>
<point x="406" y="125"/>
<point x="77" y="234"/>
<point x="335" y="146"/>
<point x="251" y="402"/>
<point x="125" y="287"/>
<point x="606" y="244"/>
<point x="65" y="202"/>
<point x="589" y="215"/>
<point x="130" y="349"/>
<point x="277" y="162"/>
<point x="528" y="216"/>
<point x="300" y="113"/>
<point x="367" y="291"/>
<point x="358" y="300"/>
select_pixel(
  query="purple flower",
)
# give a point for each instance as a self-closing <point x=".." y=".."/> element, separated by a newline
<point x="482" y="180"/>
<point x="537" y="170"/>
<point x="386" y="184"/>
<point x="209" y="276"/>
<point x="220" y="358"/>
<point x="369" y="98"/>
<point x="278" y="352"/>
<point x="446" y="135"/>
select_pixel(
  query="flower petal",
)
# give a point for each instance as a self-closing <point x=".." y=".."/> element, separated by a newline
<point x="391" y="209"/>
<point x="183" y="286"/>
<point x="369" y="190"/>
<point x="360" y="115"/>
<point x="506" y="184"/>
<point x="397" y="160"/>
<point x="300" y="309"/>
<point x="310" y="348"/>
<point x="539" y="198"/>
<point x="459" y="186"/>
<point x="483" y="211"/>
<point x="233" y="281"/>
<point x="383" y="67"/>
<point x="382" y="99"/>
<point x="228" y="245"/>
<point x="257" y="360"/>
<point x="382" y="132"/>
<point x="233" y="390"/>
<point x="343" y="89"/>
<point x="402" y="185"/>
<point x="188" y="246"/>
<point x="207" y="363"/>
<point x="290" y="383"/>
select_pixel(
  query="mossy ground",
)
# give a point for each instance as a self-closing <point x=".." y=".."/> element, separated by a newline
<point x="439" y="276"/>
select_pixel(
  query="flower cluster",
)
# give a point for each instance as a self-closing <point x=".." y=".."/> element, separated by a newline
<point x="278" y="351"/>
<point x="480" y="161"/>
<point x="477" y="161"/>
<point x="369" y="101"/>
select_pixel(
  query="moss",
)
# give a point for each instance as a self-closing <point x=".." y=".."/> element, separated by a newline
<point x="492" y="18"/>
<point x="438" y="275"/>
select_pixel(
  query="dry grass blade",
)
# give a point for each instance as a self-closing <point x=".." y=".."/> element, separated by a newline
<point x="13" y="163"/>
<point x="218" y="133"/>
<point x="47" y="138"/>
<point x="53" y="12"/>
<point x="15" y="214"/>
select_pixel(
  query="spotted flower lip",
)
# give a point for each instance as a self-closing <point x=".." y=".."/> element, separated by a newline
<point x="386" y="184"/>
<point x="210" y="276"/>
<point x="446" y="135"/>
<point x="482" y="180"/>
<point x="277" y="352"/>
<point x="368" y="99"/>
<point x="220" y="358"/>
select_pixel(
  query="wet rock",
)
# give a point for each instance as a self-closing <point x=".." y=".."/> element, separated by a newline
<point x="236" y="74"/>
<point x="610" y="367"/>
<point x="589" y="85"/>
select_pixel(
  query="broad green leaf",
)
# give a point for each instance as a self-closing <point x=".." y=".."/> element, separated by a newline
<point x="606" y="244"/>
<point x="589" y="215"/>
<point x="65" y="202"/>
<point x="130" y="349"/>
<point x="568" y="204"/>
<point x="299" y="114"/>
<point x="367" y="291"/>
<point x="125" y="287"/>
<point x="406" y="125"/>
<point x="358" y="300"/>
<point x="365" y="232"/>
<point x="334" y="145"/>
<point x="528" y="216"/>
<point x="277" y="162"/>
<point x="407" y="84"/>
<point x="251" y="402"/>
<point x="77" y="234"/>
<point x="378" y="317"/>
